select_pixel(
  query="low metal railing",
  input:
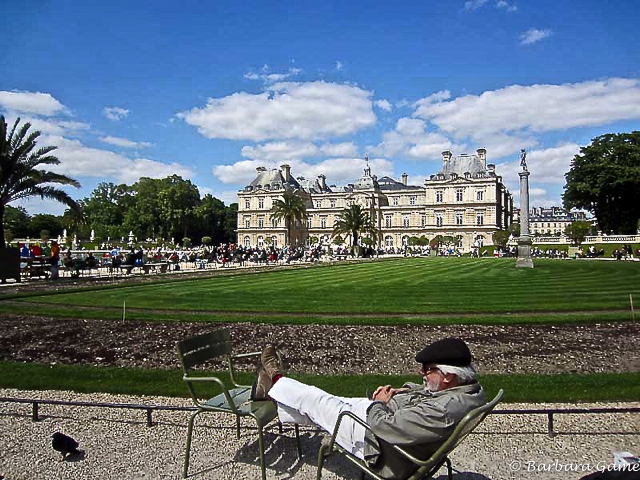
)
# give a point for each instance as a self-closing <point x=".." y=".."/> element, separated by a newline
<point x="550" y="412"/>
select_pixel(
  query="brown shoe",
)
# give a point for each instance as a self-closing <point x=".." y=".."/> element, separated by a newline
<point x="271" y="361"/>
<point x="262" y="385"/>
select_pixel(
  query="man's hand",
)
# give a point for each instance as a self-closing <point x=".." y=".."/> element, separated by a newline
<point x="386" y="393"/>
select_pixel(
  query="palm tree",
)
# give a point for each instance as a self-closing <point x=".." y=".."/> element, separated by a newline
<point x="20" y="176"/>
<point x="354" y="220"/>
<point x="290" y="208"/>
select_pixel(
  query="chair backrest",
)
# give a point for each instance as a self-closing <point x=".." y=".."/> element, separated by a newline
<point x="470" y="421"/>
<point x="202" y="348"/>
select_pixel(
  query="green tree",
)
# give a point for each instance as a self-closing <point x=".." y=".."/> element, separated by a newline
<point x="290" y="208"/>
<point x="605" y="180"/>
<point x="355" y="221"/>
<point x="211" y="215"/>
<point x="577" y="231"/>
<point x="500" y="238"/>
<point x="20" y="172"/>
<point x="230" y="223"/>
<point x="179" y="199"/>
<point x="76" y="221"/>
<point x="45" y="221"/>
<point x="106" y="208"/>
<point x="17" y="220"/>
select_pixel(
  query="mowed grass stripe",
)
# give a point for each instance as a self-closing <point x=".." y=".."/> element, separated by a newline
<point x="437" y="285"/>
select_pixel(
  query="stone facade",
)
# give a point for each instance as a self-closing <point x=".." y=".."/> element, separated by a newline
<point x="551" y="220"/>
<point x="466" y="200"/>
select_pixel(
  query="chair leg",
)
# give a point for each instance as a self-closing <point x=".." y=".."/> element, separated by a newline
<point x="449" y="468"/>
<point x="187" y="453"/>
<point x="261" y="447"/>
<point x="237" y="427"/>
<point x="321" y="457"/>
<point x="298" y="446"/>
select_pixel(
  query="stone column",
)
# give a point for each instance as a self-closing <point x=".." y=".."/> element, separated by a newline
<point x="524" y="241"/>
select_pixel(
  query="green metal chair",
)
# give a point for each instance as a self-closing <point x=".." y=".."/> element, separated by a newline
<point x="425" y="468"/>
<point x="196" y="351"/>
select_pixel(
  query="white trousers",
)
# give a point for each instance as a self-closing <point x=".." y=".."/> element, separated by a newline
<point x="306" y="405"/>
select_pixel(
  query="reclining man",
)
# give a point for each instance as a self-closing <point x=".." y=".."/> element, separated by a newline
<point x="417" y="417"/>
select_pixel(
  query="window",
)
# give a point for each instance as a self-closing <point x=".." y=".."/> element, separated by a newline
<point x="423" y="220"/>
<point x="395" y="200"/>
<point x="247" y="242"/>
<point x="323" y="222"/>
<point x="333" y="203"/>
<point x="247" y="203"/>
<point x="387" y="221"/>
<point x="274" y="241"/>
<point x="405" y="241"/>
<point x="412" y="200"/>
<point x="480" y="195"/>
<point x="459" y="218"/>
<point x="439" y="196"/>
<point x="260" y="241"/>
<point x="247" y="222"/>
<point x="479" y="218"/>
<point x="439" y="219"/>
<point x="406" y="220"/>
<point x="309" y="222"/>
<point x="318" y="203"/>
<point x="260" y="202"/>
<point x="274" y="222"/>
<point x="260" y="222"/>
<point x="459" y="194"/>
<point x="388" y="241"/>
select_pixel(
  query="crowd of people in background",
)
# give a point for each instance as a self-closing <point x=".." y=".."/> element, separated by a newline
<point x="226" y="255"/>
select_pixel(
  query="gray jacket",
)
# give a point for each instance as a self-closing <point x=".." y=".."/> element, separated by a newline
<point x="417" y="420"/>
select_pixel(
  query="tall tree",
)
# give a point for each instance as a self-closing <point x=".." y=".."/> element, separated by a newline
<point x="106" y="208"/>
<point x="20" y="175"/>
<point x="355" y="221"/>
<point x="290" y="208"/>
<point x="17" y="220"/>
<point x="605" y="180"/>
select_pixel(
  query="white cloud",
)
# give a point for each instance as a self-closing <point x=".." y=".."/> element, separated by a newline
<point x="35" y="103"/>
<point x="49" y="126"/>
<point x="123" y="142"/>
<point x="523" y="110"/>
<point x="533" y="35"/>
<point x="504" y="5"/>
<point x="410" y="136"/>
<point x="383" y="105"/>
<point x="339" y="65"/>
<point x="303" y="111"/>
<point x="287" y="151"/>
<point x="547" y="168"/>
<point x="338" y="171"/>
<point x="474" y="4"/>
<point x="115" y="113"/>
<point x="267" y="77"/>
<point x="78" y="160"/>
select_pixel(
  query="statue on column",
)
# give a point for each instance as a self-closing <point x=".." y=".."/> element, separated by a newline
<point x="523" y="159"/>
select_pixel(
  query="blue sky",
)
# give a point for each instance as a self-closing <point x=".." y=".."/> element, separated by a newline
<point x="212" y="90"/>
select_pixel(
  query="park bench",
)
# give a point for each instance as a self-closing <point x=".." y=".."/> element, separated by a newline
<point x="148" y="267"/>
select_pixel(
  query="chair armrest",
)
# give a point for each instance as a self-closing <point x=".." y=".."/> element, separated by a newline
<point x="220" y="383"/>
<point x="245" y="355"/>
<point x="339" y="421"/>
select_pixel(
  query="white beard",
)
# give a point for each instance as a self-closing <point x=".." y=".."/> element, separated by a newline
<point x="431" y="386"/>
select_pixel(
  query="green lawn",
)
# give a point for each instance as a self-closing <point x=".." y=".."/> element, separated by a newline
<point x="405" y="287"/>
<point x="594" y="387"/>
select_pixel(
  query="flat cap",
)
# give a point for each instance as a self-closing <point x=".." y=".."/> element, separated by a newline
<point x="448" y="351"/>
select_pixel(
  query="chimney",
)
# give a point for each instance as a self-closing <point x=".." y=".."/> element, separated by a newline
<point x="322" y="180"/>
<point x="286" y="172"/>
<point x="492" y="169"/>
<point x="482" y="156"/>
<point x="446" y="156"/>
<point x="404" y="178"/>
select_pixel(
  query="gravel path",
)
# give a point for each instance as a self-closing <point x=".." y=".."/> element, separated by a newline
<point x="119" y="445"/>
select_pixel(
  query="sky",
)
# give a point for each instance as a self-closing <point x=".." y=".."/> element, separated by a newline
<point x="211" y="90"/>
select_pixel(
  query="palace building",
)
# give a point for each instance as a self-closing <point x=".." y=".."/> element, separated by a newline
<point x="466" y="200"/>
